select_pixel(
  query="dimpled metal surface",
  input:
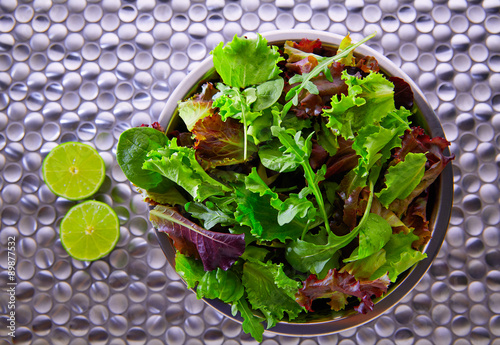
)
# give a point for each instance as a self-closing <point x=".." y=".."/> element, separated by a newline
<point x="86" y="71"/>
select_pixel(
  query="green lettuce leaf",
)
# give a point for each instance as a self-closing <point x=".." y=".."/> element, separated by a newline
<point x="179" y="165"/>
<point x="375" y="233"/>
<point x="368" y="101"/>
<point x="256" y="211"/>
<point x="244" y="62"/>
<point x="190" y="269"/>
<point x="363" y="269"/>
<point x="402" y="178"/>
<point x="224" y="285"/>
<point x="210" y="213"/>
<point x="271" y="291"/>
<point x="400" y="256"/>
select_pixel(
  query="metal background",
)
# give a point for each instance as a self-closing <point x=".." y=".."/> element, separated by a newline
<point x="87" y="70"/>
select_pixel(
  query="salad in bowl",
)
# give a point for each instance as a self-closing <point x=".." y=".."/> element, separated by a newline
<point x="295" y="179"/>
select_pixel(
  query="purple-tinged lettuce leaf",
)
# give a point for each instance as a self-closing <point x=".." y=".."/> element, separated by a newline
<point x="191" y="111"/>
<point x="214" y="249"/>
<point x="220" y="143"/>
<point x="338" y="287"/>
<point x="403" y="95"/>
<point x="417" y="141"/>
<point x="416" y="218"/>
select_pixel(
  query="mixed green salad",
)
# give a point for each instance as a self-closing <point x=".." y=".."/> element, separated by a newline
<point x="294" y="181"/>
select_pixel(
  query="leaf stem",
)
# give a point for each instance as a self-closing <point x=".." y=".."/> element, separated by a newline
<point x="244" y="118"/>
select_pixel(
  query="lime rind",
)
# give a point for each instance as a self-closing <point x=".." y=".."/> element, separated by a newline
<point x="104" y="237"/>
<point x="55" y="170"/>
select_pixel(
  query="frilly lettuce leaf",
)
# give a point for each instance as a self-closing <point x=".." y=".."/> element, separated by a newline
<point x="244" y="62"/>
<point x="179" y="165"/>
<point x="337" y="287"/>
<point x="368" y="100"/>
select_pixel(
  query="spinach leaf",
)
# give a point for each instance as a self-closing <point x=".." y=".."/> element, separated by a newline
<point x="131" y="152"/>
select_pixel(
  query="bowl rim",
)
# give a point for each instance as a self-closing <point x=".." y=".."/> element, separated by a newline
<point x="439" y="217"/>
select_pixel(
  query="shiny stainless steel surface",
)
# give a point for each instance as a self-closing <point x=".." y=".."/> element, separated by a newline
<point x="87" y="70"/>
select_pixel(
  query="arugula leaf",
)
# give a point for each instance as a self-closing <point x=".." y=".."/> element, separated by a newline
<point x="270" y="291"/>
<point x="179" y="165"/>
<point x="300" y="151"/>
<point x="131" y="152"/>
<point x="215" y="249"/>
<point x="244" y="62"/>
<point x="305" y="79"/>
<point x="251" y="324"/>
<point x="403" y="178"/>
<point x="296" y="205"/>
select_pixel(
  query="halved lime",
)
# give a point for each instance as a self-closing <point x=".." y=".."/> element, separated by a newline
<point x="90" y="230"/>
<point x="73" y="170"/>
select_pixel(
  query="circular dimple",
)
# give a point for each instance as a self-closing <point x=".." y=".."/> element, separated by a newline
<point x="89" y="91"/>
<point x="180" y="22"/>
<point x="117" y="325"/>
<point x="478" y="52"/>
<point x="91" y="51"/>
<point x="7" y="23"/>
<point x="477" y="33"/>
<point x="127" y="13"/>
<point x="176" y="336"/>
<point x="126" y="51"/>
<point x="446" y="92"/>
<point x="24" y="13"/>
<point x="492" y="24"/>
<point x="232" y="12"/>
<point x="110" y="22"/>
<point x="459" y="23"/>
<point x="21" y="52"/>
<point x="145" y="22"/>
<point x="303" y="13"/>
